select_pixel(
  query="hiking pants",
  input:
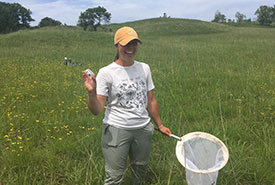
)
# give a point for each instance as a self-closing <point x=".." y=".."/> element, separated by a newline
<point x="118" y="144"/>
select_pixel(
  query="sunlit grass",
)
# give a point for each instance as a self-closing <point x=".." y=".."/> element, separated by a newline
<point x="217" y="79"/>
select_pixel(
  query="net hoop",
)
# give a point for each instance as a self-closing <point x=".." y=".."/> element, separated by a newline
<point x="192" y="135"/>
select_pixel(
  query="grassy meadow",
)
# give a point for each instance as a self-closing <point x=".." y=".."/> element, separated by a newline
<point x="209" y="77"/>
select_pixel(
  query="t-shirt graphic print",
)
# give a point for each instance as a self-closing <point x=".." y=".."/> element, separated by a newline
<point x="132" y="95"/>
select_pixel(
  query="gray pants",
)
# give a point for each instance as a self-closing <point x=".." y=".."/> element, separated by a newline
<point x="118" y="144"/>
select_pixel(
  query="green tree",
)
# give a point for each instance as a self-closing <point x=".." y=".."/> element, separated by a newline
<point x="14" y="17"/>
<point x="273" y="14"/>
<point x="93" y="17"/>
<point x="240" y="17"/>
<point x="265" y="15"/>
<point x="219" y="17"/>
<point x="47" y="21"/>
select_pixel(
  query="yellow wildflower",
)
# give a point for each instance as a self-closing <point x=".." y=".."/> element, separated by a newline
<point x="239" y="100"/>
<point x="262" y="113"/>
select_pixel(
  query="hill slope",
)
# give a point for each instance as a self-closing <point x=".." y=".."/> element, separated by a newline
<point x="172" y="26"/>
<point x="57" y="42"/>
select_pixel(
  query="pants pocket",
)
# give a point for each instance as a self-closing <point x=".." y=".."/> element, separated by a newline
<point x="109" y="135"/>
<point x="149" y="128"/>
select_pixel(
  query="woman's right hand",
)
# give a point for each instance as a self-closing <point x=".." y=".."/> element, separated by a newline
<point x="90" y="83"/>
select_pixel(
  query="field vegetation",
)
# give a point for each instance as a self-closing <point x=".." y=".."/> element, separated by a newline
<point x="209" y="77"/>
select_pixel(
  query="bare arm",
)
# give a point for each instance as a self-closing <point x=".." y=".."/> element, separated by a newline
<point x="95" y="102"/>
<point x="154" y="113"/>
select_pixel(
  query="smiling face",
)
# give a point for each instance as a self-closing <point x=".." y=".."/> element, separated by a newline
<point x="127" y="53"/>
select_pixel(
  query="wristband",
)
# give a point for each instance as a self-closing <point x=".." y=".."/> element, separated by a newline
<point x="161" y="125"/>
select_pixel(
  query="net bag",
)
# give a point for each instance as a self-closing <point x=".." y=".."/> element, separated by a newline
<point x="202" y="155"/>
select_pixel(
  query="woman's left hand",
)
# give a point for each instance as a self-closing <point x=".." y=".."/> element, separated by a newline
<point x="165" y="130"/>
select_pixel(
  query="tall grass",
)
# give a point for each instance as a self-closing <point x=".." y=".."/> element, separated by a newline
<point x="208" y="77"/>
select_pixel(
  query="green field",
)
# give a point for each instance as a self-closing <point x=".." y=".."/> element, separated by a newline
<point x="209" y="77"/>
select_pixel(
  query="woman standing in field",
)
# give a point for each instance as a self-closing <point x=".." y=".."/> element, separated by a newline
<point x="126" y="87"/>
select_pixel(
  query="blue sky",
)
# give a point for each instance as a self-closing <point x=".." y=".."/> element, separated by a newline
<point x="68" y="11"/>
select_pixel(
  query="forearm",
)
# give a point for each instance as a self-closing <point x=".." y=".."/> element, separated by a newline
<point x="94" y="104"/>
<point x="154" y="112"/>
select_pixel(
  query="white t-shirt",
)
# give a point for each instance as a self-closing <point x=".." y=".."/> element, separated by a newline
<point x="126" y="91"/>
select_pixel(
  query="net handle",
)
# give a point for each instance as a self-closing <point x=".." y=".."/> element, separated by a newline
<point x="172" y="135"/>
<point x="175" y="137"/>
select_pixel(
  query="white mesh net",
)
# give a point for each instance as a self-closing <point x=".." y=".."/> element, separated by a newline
<point x="203" y="155"/>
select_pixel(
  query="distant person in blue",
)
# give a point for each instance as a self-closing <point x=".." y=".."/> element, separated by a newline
<point x="126" y="87"/>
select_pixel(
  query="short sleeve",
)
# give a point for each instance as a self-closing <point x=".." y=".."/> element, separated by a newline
<point x="150" y="83"/>
<point x="103" y="82"/>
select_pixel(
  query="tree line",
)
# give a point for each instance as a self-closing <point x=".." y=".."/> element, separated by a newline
<point x="265" y="16"/>
<point x="14" y="17"/>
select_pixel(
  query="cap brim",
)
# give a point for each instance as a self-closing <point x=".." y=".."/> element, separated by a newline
<point x="129" y="39"/>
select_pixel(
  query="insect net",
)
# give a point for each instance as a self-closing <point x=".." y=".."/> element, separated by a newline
<point x="202" y="155"/>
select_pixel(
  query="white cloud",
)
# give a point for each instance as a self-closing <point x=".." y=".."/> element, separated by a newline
<point x="68" y="11"/>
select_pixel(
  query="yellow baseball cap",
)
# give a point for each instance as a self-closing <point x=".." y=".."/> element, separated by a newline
<point x="124" y="35"/>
